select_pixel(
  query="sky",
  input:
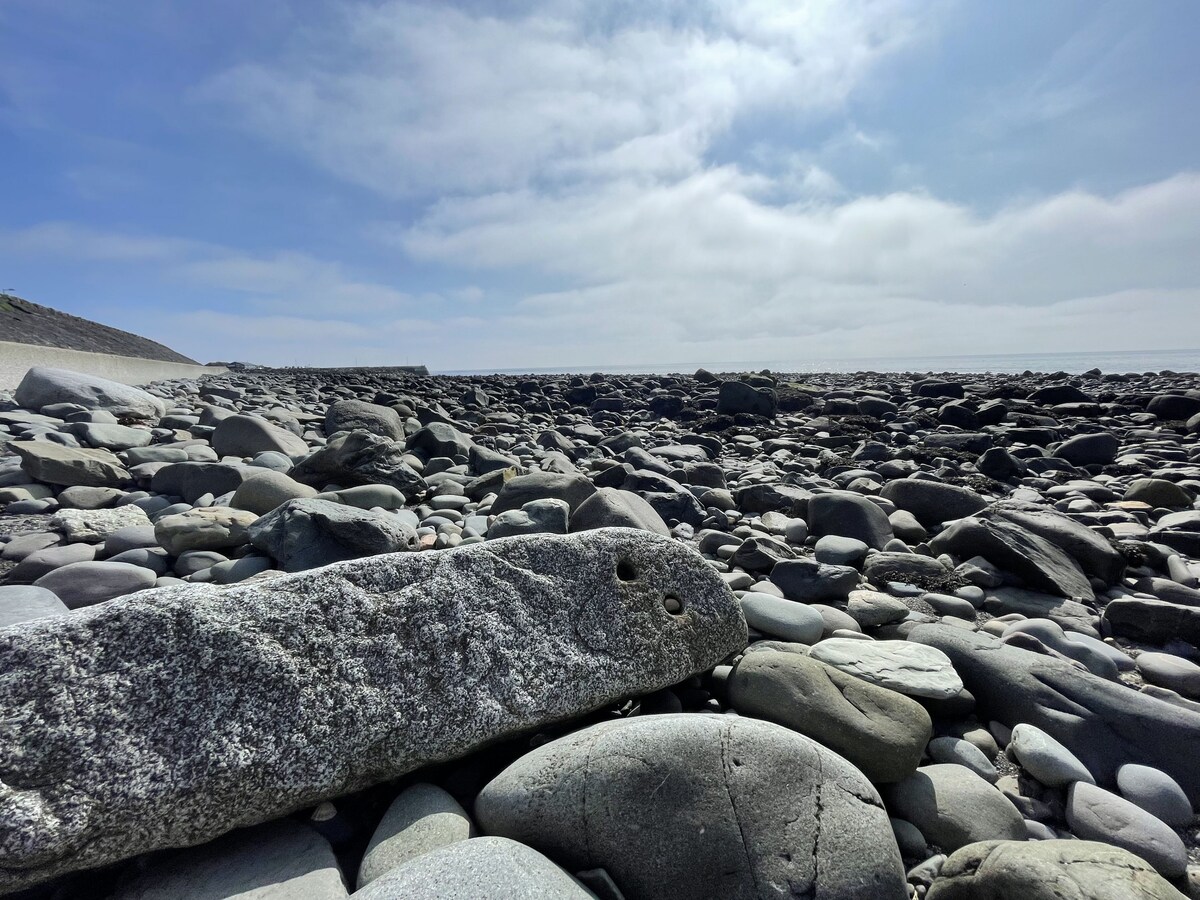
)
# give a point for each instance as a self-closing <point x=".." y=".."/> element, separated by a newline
<point x="562" y="183"/>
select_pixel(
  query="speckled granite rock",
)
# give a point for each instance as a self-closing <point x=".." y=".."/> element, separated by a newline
<point x="171" y="718"/>
<point x="93" y="525"/>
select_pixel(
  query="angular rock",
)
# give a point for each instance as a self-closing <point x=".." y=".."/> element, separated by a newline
<point x="738" y="397"/>
<point x="881" y="732"/>
<point x="1039" y="564"/>
<point x="1048" y="870"/>
<point x="281" y="693"/>
<point x="546" y="516"/>
<point x="56" y="464"/>
<point x="1153" y="621"/>
<point x="43" y="386"/>
<point x="360" y="458"/>
<point x="697" y="806"/>
<point x="807" y="581"/>
<point x="440" y="439"/>
<point x="1103" y="723"/>
<point x="94" y="525"/>
<point x="249" y="435"/>
<point x="480" y="868"/>
<point x="305" y="534"/>
<point x="1096" y="556"/>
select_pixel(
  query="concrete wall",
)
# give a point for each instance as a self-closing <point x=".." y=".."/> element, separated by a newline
<point x="17" y="359"/>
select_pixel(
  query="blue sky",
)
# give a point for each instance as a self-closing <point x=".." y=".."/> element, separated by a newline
<point x="567" y="183"/>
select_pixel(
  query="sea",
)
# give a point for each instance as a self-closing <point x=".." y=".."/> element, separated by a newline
<point x="1128" y="361"/>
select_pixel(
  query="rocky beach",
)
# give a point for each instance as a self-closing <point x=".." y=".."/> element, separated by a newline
<point x="305" y="633"/>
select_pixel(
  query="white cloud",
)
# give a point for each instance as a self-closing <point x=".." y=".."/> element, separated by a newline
<point x="414" y="97"/>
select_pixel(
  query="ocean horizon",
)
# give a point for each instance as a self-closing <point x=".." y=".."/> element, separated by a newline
<point x="1073" y="363"/>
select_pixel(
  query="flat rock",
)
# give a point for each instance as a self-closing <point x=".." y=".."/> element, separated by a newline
<point x="94" y="525"/>
<point x="1105" y="724"/>
<point x="883" y="733"/>
<point x="1070" y="615"/>
<point x="282" y="860"/>
<point x="43" y="386"/>
<point x="899" y="665"/>
<point x="1048" y="870"/>
<point x="56" y="464"/>
<point x="204" y="528"/>
<point x="1153" y="621"/>
<point x="486" y="867"/>
<point x="278" y="694"/>
<point x="697" y="806"/>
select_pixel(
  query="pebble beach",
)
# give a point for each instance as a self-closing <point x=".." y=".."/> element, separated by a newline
<point x="303" y="633"/>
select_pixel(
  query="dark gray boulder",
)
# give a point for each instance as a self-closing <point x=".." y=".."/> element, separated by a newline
<point x="692" y="806"/>
<point x="808" y="581"/>
<point x="518" y="491"/>
<point x="1089" y="449"/>
<point x="360" y="458"/>
<point x="191" y="480"/>
<point x="1103" y="723"/>
<point x="738" y="397"/>
<point x="851" y="515"/>
<point x="266" y="697"/>
<point x="1039" y="564"/>
<point x="932" y="502"/>
<point x="307" y="533"/>
<point x="440" y="439"/>
<point x="615" y="508"/>
<point x="1153" y="621"/>
<point x="358" y="415"/>
<point x="1095" y="555"/>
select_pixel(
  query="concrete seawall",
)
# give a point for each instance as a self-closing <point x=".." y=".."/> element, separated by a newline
<point x="17" y="359"/>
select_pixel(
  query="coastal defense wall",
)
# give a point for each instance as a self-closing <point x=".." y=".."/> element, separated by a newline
<point x="17" y="359"/>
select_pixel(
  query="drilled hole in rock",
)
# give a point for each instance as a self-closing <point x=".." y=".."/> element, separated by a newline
<point x="626" y="571"/>
<point x="672" y="604"/>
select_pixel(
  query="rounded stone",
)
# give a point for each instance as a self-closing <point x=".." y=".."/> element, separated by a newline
<point x="265" y="490"/>
<point x="785" y="619"/>
<point x="88" y="583"/>
<point x="24" y="603"/>
<point x="698" y="806"/>
<point x="964" y="753"/>
<point x="1154" y="791"/>
<point x="954" y="807"/>
<point x="1095" y="814"/>
<point x="422" y="818"/>
<point x="1046" y="759"/>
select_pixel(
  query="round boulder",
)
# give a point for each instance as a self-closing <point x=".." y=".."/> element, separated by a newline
<point x="696" y="806"/>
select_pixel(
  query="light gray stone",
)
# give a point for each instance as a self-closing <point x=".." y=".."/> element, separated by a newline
<point x="1154" y="791"/>
<point x="547" y="516"/>
<point x="697" y="806"/>
<point x="281" y="693"/>
<point x="1046" y="759"/>
<point x="899" y="665"/>
<point x="94" y="525"/>
<point x="265" y="490"/>
<point x="248" y="435"/>
<point x="1048" y="870"/>
<point x="282" y="860"/>
<point x="422" y="818"/>
<point x="43" y="386"/>
<point x="615" y="508"/>
<point x="782" y="618"/>
<point x="963" y="753"/>
<point x="1095" y="814"/>
<point x="24" y="603"/>
<point x="35" y="565"/>
<point x="486" y="868"/>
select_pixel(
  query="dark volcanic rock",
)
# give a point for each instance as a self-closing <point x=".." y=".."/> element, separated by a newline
<point x="360" y="458"/>
<point x="263" y="698"/>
